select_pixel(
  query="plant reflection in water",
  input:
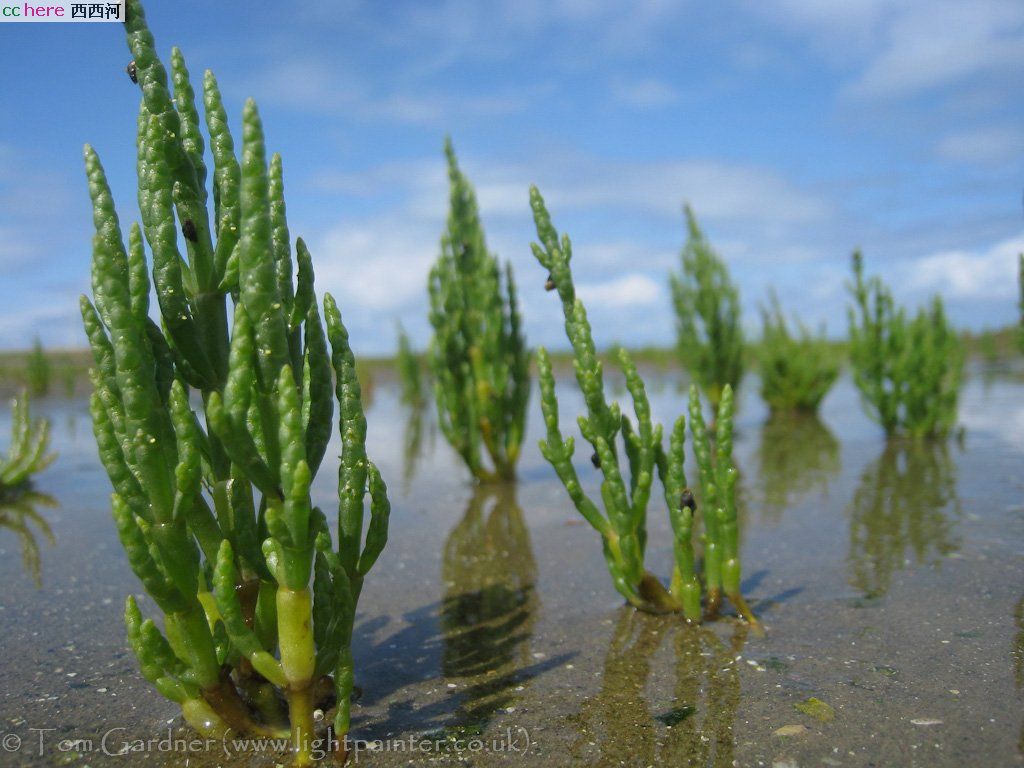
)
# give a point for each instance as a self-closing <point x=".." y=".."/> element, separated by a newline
<point x="906" y="499"/>
<point x="20" y="514"/>
<point x="490" y="605"/>
<point x="695" y="728"/>
<point x="797" y="454"/>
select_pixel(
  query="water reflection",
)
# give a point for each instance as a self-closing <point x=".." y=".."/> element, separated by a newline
<point x="617" y="726"/>
<point x="20" y="514"/>
<point x="490" y="604"/>
<point x="906" y="500"/>
<point x="797" y="454"/>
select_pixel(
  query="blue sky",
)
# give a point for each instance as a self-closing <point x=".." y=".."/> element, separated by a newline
<point x="797" y="129"/>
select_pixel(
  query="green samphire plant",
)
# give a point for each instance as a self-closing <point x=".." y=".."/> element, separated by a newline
<point x="478" y="355"/>
<point x="27" y="453"/>
<point x="707" y="306"/>
<point x="38" y="371"/>
<point x="797" y="370"/>
<point x="908" y="371"/>
<point x="213" y="505"/>
<point x="623" y="523"/>
<point x="410" y="374"/>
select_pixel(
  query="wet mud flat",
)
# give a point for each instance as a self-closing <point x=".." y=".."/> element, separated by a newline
<point x="890" y="579"/>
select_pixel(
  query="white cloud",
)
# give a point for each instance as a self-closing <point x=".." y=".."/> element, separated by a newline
<point x="497" y="27"/>
<point x="379" y="264"/>
<point x="51" y="315"/>
<point x="319" y="84"/>
<point x="645" y="93"/>
<point x="630" y="290"/>
<point x="983" y="146"/>
<point x="936" y="43"/>
<point x="424" y="178"/>
<point x="899" y="48"/>
<point x="14" y="251"/>
<point x="610" y="255"/>
<point x="719" y="191"/>
<point x="987" y="273"/>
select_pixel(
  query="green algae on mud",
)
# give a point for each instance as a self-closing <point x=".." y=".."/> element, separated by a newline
<point x="490" y="622"/>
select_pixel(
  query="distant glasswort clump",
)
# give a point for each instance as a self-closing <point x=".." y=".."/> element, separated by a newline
<point x="409" y="374"/>
<point x="478" y="356"/>
<point x="908" y="371"/>
<point x="26" y="455"/>
<point x="38" y="371"/>
<point x="213" y="507"/>
<point x="623" y="524"/>
<point x="707" y="306"/>
<point x="797" y="371"/>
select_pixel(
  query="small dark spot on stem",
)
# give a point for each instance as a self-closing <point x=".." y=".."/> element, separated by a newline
<point x="188" y="229"/>
<point x="133" y="71"/>
<point x="549" y="284"/>
<point x="595" y="460"/>
<point x="686" y="501"/>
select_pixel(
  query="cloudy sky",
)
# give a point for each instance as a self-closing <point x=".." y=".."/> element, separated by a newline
<point x="797" y="129"/>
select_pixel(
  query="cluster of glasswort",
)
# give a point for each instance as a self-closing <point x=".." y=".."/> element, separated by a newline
<point x="410" y="375"/>
<point x="38" y="371"/>
<point x="623" y="524"/>
<point x="908" y="371"/>
<point x="707" y="306"/>
<point x="478" y="355"/>
<point x="214" y="511"/>
<point x="26" y="455"/>
<point x="797" y="371"/>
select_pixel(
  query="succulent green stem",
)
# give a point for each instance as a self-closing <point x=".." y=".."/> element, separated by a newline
<point x="27" y="454"/>
<point x="908" y="371"/>
<point x="478" y="354"/>
<point x="708" y="322"/>
<point x="621" y="520"/>
<point x="298" y="654"/>
<point x="224" y="491"/>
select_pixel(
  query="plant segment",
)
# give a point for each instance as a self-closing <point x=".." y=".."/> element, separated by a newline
<point x="38" y="371"/>
<point x="213" y="507"/>
<point x="625" y="494"/>
<point x="908" y="371"/>
<point x="707" y="305"/>
<point x="478" y="355"/>
<point x="410" y="375"/>
<point x="26" y="455"/>
<point x="797" y="371"/>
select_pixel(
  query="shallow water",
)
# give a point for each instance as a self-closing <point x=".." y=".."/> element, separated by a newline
<point x="889" y="578"/>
